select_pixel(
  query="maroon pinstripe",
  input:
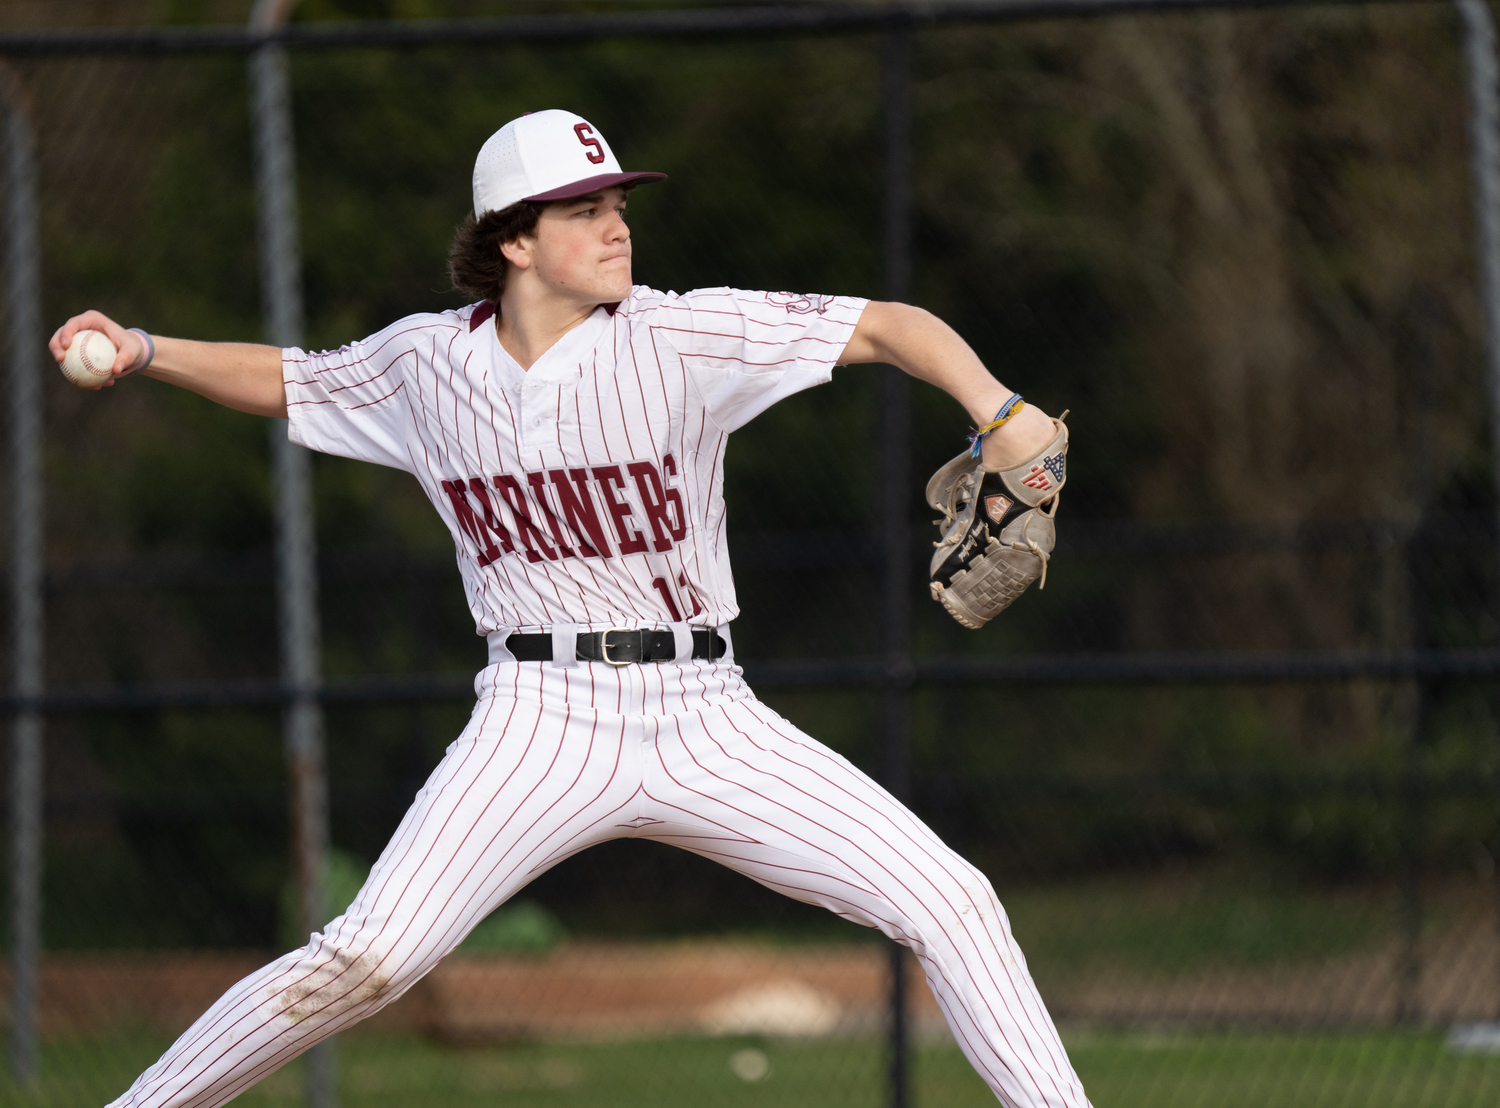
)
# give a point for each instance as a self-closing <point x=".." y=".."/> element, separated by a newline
<point x="557" y="757"/>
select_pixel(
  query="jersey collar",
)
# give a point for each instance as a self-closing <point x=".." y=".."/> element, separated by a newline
<point x="562" y="359"/>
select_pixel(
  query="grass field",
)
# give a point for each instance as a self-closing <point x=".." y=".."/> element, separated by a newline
<point x="1120" y="1070"/>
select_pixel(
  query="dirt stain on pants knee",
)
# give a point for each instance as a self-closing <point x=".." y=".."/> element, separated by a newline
<point x="342" y="983"/>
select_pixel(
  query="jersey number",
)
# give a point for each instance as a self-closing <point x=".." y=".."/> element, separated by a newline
<point x="660" y="585"/>
<point x="586" y="136"/>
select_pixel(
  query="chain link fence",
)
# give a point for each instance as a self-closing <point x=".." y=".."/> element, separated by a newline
<point x="1234" y="772"/>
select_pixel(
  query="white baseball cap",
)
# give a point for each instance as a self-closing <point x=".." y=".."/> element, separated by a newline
<point x="548" y="155"/>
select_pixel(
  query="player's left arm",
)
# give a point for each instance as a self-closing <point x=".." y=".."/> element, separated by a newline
<point x="921" y="344"/>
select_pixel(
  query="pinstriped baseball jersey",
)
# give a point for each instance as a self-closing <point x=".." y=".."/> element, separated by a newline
<point x="588" y="489"/>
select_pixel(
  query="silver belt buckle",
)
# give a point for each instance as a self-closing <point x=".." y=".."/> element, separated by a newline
<point x="604" y="646"/>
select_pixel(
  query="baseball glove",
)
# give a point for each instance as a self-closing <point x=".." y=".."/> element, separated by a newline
<point x="997" y="529"/>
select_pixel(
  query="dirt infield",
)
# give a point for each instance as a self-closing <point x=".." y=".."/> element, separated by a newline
<point x="584" y="990"/>
<point x="611" y="990"/>
<point x="1456" y="978"/>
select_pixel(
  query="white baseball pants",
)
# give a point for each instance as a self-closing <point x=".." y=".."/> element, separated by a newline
<point x="556" y="759"/>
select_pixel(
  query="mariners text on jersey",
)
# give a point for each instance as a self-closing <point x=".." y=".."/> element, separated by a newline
<point x="588" y="489"/>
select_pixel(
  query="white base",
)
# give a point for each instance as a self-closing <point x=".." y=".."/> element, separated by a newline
<point x="1474" y="1038"/>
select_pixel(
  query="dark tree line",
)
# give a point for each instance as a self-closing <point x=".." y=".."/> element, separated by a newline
<point x="1237" y="246"/>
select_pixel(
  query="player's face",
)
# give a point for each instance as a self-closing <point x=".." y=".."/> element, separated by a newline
<point x="581" y="248"/>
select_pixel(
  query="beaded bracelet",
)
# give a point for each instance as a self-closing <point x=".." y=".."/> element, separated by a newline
<point x="148" y="347"/>
<point x="1007" y="410"/>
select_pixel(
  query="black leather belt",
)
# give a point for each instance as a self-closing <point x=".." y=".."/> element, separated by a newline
<point x="620" y="647"/>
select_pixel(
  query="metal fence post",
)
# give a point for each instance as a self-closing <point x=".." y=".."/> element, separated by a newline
<point x="1484" y="152"/>
<point x="22" y="297"/>
<point x="296" y="553"/>
<point x="895" y="491"/>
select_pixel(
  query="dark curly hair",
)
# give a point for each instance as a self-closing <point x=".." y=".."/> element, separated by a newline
<point x="475" y="265"/>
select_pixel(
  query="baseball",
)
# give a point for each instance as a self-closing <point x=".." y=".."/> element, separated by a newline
<point x="89" y="359"/>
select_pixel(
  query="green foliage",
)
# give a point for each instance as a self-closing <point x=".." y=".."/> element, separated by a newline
<point x="1186" y="922"/>
<point x="1228" y="242"/>
<point x="347" y="874"/>
<point x="183" y="841"/>
<point x="516" y="927"/>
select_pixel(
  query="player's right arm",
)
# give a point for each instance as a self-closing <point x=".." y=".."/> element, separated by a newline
<point x="240" y="375"/>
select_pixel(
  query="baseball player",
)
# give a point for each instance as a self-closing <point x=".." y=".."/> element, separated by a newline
<point x="570" y="427"/>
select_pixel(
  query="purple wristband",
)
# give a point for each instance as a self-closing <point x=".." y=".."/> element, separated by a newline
<point x="147" y="346"/>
